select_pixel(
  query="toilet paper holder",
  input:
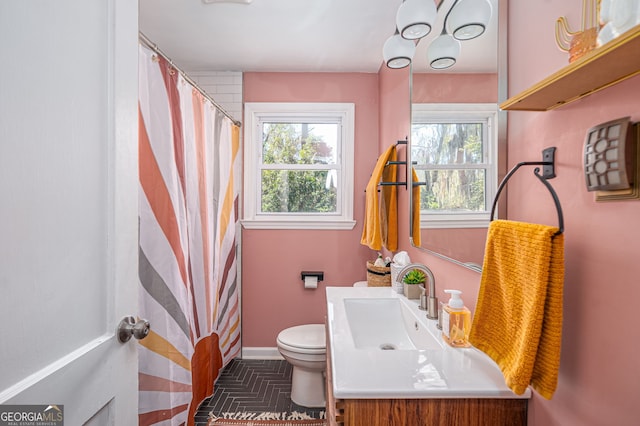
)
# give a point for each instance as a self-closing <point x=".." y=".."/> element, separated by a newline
<point x="318" y="274"/>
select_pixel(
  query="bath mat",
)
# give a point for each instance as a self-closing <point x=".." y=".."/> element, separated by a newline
<point x="294" y="418"/>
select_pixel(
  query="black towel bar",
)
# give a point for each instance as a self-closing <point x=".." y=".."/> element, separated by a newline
<point x="548" y="172"/>
<point x="400" y="142"/>
<point x="393" y="184"/>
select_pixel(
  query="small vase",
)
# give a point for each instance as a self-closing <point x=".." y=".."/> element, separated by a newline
<point x="412" y="291"/>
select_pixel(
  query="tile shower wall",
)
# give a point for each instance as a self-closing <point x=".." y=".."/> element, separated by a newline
<point x="225" y="87"/>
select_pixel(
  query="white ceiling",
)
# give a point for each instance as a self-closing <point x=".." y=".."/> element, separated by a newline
<point x="292" y="35"/>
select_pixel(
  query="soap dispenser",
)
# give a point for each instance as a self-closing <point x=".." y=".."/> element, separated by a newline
<point x="456" y="321"/>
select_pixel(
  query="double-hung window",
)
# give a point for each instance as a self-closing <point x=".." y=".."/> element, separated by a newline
<point x="298" y="165"/>
<point x="453" y="148"/>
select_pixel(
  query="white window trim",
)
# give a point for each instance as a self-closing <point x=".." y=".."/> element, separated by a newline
<point x="253" y="113"/>
<point x="449" y="112"/>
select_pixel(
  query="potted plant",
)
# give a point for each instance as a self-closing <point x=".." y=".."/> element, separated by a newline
<point x="412" y="281"/>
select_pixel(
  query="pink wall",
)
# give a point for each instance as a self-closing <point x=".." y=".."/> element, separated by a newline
<point x="394" y="109"/>
<point x="599" y="380"/>
<point x="455" y="88"/>
<point x="273" y="296"/>
<point x="599" y="374"/>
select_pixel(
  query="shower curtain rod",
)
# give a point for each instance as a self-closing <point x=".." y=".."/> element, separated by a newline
<point x="145" y="40"/>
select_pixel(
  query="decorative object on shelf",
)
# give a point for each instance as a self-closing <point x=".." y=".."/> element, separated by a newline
<point x="412" y="281"/>
<point x="611" y="159"/>
<point x="580" y="42"/>
<point x="617" y="17"/>
<point x="415" y="20"/>
<point x="605" y="66"/>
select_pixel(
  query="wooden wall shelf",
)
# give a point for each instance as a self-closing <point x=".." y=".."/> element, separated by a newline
<point x="603" y="67"/>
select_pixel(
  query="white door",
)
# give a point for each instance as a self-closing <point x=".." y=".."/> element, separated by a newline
<point x="68" y="207"/>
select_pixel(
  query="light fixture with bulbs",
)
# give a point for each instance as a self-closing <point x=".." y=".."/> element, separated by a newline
<point x="464" y="20"/>
<point x="398" y="51"/>
<point x="470" y="19"/>
<point x="443" y="52"/>
<point x="415" y="18"/>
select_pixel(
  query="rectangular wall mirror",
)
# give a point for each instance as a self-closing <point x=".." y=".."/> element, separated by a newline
<point x="457" y="140"/>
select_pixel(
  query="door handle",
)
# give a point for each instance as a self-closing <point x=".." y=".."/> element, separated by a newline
<point x="128" y="327"/>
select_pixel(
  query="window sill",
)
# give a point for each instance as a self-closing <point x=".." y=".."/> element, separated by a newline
<point x="299" y="224"/>
<point x="448" y="223"/>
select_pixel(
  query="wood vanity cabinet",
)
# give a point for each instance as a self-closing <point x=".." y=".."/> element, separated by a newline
<point x="421" y="412"/>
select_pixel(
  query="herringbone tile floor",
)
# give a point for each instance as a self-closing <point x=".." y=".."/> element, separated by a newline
<point x="252" y="386"/>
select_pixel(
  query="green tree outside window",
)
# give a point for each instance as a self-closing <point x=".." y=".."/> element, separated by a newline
<point x="298" y="168"/>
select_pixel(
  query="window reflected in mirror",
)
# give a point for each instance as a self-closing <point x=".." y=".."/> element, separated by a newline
<point x="453" y="148"/>
<point x="479" y="77"/>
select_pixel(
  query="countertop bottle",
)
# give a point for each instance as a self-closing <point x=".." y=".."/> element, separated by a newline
<point x="379" y="261"/>
<point x="456" y="321"/>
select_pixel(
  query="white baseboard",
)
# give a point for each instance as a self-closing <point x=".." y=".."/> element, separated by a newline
<point x="261" y="353"/>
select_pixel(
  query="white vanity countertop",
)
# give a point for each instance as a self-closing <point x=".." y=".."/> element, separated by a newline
<point x="445" y="372"/>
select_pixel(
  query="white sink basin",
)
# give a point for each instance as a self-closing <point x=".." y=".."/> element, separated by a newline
<point x="386" y="324"/>
<point x="365" y="321"/>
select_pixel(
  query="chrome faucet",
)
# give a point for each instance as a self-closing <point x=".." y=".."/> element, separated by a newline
<point x="432" y="300"/>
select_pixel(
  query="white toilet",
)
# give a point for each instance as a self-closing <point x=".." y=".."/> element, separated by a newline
<point x="305" y="348"/>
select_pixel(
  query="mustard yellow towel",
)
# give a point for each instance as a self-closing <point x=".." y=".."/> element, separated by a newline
<point x="518" y="317"/>
<point x="381" y="213"/>
<point x="415" y="214"/>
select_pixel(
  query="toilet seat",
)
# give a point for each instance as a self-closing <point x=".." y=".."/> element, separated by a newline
<point x="307" y="338"/>
<point x="304" y="347"/>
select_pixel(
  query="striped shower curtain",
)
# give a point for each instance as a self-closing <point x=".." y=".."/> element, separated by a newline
<point x="189" y="186"/>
